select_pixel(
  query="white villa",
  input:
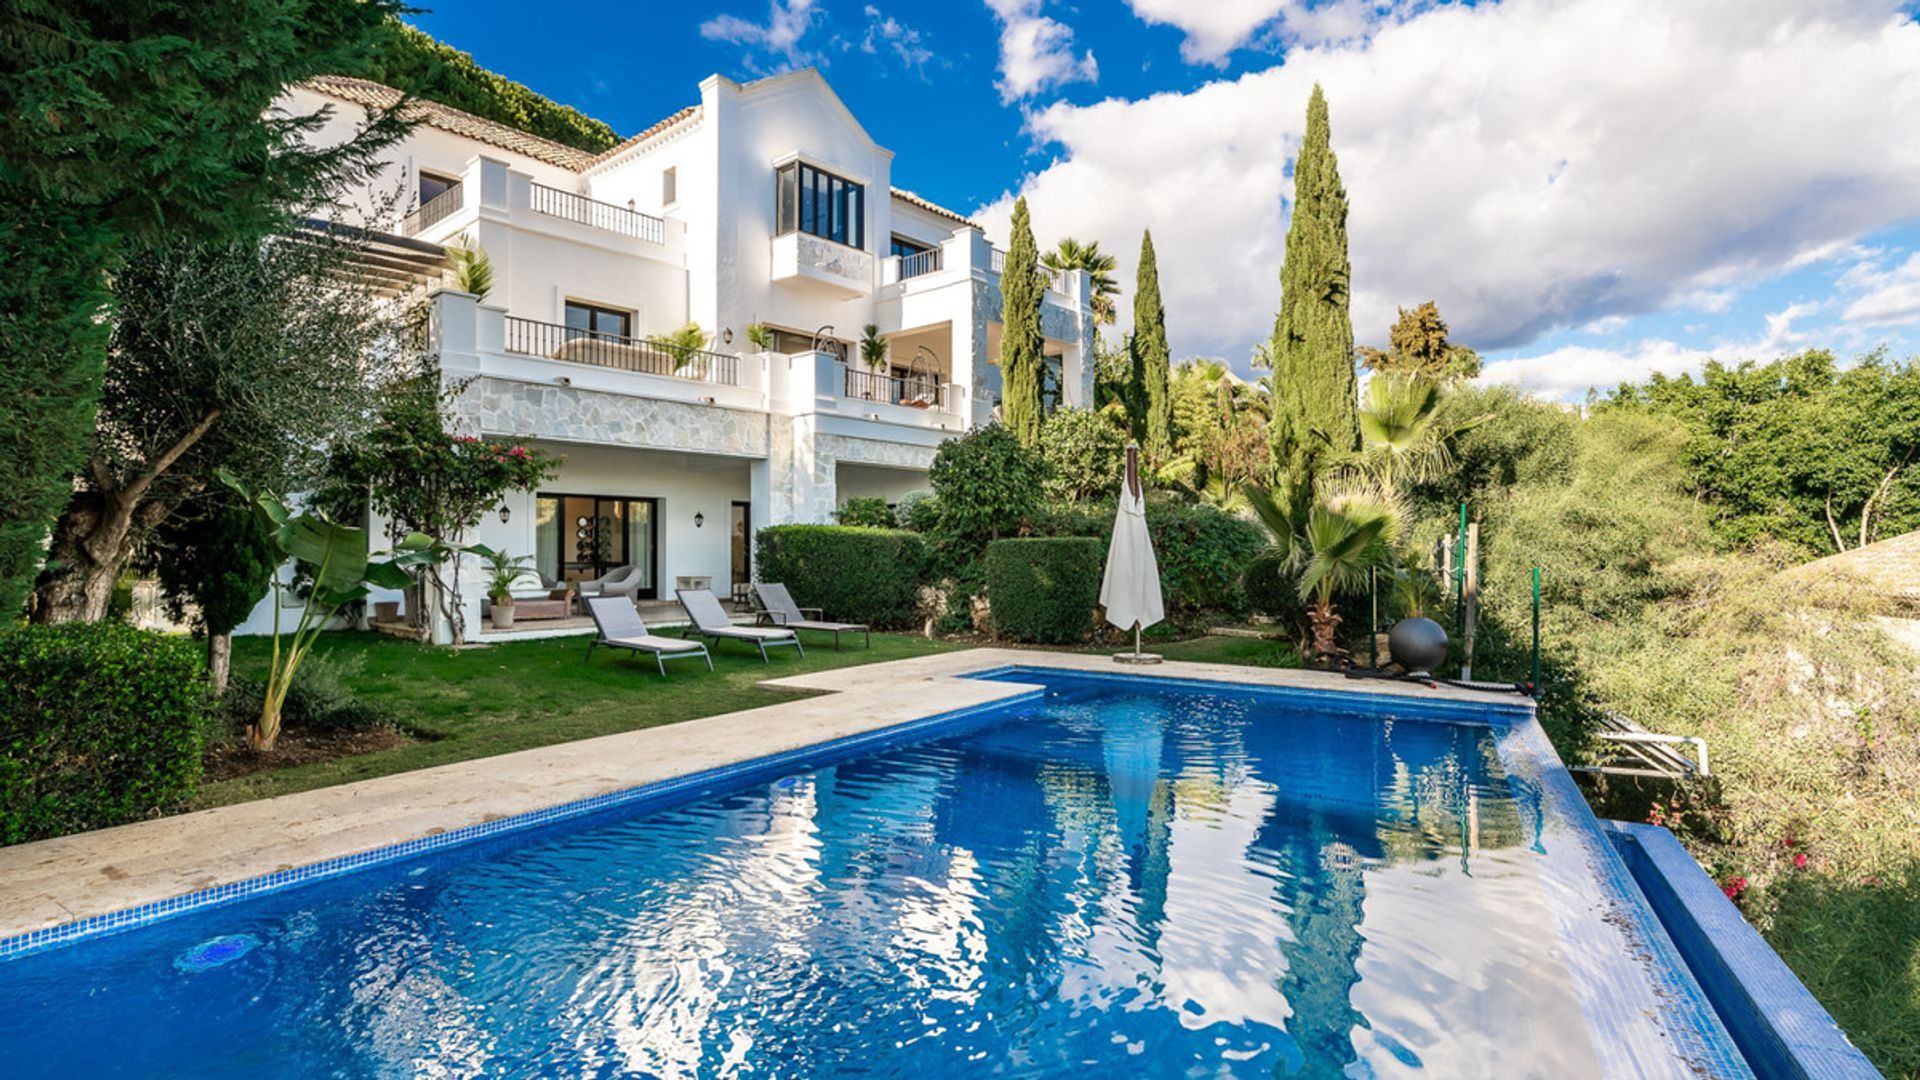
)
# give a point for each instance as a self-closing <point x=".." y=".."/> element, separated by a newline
<point x="765" y="203"/>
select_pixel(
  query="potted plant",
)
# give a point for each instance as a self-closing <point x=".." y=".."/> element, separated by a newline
<point x="873" y="352"/>
<point x="760" y="336"/>
<point x="1416" y="642"/>
<point x="503" y="570"/>
<point x="686" y="349"/>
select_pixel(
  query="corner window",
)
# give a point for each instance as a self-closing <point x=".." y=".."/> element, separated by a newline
<point x="591" y="320"/>
<point x="820" y="204"/>
<point x="670" y="187"/>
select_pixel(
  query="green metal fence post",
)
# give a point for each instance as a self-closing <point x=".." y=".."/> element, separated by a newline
<point x="1536" y="631"/>
<point x="1460" y="575"/>
<point x="1373" y="620"/>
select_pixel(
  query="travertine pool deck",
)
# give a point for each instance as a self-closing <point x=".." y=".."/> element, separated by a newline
<point x="51" y="882"/>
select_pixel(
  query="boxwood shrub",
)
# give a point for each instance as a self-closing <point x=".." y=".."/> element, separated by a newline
<point x="853" y="574"/>
<point x="1203" y="551"/>
<point x="1044" y="589"/>
<point x="100" y="724"/>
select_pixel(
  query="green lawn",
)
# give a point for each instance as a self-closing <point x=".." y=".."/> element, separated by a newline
<point x="508" y="697"/>
<point x="480" y="702"/>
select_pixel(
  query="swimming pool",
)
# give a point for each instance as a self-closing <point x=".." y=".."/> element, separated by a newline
<point x="1116" y="873"/>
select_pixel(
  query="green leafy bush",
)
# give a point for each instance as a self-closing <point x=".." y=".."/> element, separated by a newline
<point x="987" y="483"/>
<point x="857" y="574"/>
<point x="1044" y="588"/>
<point x="320" y="701"/>
<point x="1203" y="551"/>
<point x="1085" y="454"/>
<point x="100" y="724"/>
<point x="1273" y="589"/>
<point x="918" y="510"/>
<point x="415" y="62"/>
<point x="865" y="511"/>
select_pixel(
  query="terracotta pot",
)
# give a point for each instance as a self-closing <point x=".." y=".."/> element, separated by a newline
<point x="386" y="611"/>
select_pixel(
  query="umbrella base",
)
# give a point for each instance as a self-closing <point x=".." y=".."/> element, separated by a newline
<point x="1136" y="658"/>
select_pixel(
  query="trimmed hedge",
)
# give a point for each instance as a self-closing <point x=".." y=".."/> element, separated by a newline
<point x="1044" y="589"/>
<point x="853" y="574"/>
<point x="1202" y="551"/>
<point x="100" y="724"/>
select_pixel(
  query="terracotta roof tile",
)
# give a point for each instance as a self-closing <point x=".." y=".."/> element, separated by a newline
<point x="931" y="207"/>
<point x="615" y="151"/>
<point x="375" y="95"/>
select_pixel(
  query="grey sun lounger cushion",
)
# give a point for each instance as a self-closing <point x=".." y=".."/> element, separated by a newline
<point x="620" y="627"/>
<point x="784" y="612"/>
<point x="704" y="609"/>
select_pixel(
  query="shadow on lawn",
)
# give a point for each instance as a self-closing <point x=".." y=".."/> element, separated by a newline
<point x="1856" y="945"/>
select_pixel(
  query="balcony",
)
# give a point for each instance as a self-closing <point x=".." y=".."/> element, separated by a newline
<point x="440" y="207"/>
<point x="1055" y="283"/>
<point x="911" y="391"/>
<point x="918" y="264"/>
<point x="553" y="341"/>
<point x="802" y="259"/>
<point x="568" y="206"/>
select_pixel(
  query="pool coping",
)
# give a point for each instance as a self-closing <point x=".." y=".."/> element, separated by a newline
<point x="1779" y="1026"/>
<point x="59" y="890"/>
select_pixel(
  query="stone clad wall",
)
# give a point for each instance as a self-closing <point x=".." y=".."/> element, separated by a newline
<point x="502" y="407"/>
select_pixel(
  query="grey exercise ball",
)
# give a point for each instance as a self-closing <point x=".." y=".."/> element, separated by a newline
<point x="1417" y="644"/>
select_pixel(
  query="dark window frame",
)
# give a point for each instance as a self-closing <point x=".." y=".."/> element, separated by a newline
<point x="447" y="183"/>
<point x="593" y="327"/>
<point x="811" y="200"/>
<point x="907" y="246"/>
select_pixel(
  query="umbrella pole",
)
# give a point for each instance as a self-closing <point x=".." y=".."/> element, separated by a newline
<point x="1136" y="656"/>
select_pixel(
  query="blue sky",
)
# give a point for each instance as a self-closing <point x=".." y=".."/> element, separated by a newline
<point x="1591" y="189"/>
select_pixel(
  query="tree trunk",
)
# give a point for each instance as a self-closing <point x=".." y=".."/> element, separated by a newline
<point x="90" y="547"/>
<point x="219" y="661"/>
<point x="1326" y="630"/>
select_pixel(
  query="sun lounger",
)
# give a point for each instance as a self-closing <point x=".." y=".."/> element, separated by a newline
<point x="781" y="609"/>
<point x="708" y="617"/>
<point x="621" y="627"/>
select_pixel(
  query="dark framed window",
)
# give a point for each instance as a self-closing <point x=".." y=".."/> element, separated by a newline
<point x="789" y="342"/>
<point x="904" y="247"/>
<point x="434" y="185"/>
<point x="818" y="203"/>
<point x="596" y="321"/>
<point x="1052" y="383"/>
<point x="584" y="537"/>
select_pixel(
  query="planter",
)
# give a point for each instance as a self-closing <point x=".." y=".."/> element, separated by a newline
<point x="1419" y="645"/>
<point x="502" y="616"/>
<point x="386" y="611"/>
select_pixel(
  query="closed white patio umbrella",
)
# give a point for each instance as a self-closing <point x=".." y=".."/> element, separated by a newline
<point x="1130" y="591"/>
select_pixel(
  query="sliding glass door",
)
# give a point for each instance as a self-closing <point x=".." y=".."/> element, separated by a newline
<point x="582" y="537"/>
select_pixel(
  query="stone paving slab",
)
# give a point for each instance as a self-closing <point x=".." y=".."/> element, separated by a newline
<point x="50" y="882"/>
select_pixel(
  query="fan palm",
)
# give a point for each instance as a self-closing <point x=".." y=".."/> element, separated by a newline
<point x="1346" y="536"/>
<point x="1399" y="424"/>
<point x="1071" y="254"/>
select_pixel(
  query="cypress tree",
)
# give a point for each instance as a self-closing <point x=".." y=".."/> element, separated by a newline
<point x="1314" y="391"/>
<point x="1020" y="343"/>
<point x="1151" y="358"/>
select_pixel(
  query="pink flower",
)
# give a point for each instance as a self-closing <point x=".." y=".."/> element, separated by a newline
<point x="1800" y="860"/>
<point x="1786" y="841"/>
<point x="1734" y="887"/>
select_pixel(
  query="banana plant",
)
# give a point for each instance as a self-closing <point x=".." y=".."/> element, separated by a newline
<point x="342" y="574"/>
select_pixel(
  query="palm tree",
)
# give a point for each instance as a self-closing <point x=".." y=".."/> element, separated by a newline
<point x="1071" y="254"/>
<point x="1347" y="534"/>
<point x="1399" y="425"/>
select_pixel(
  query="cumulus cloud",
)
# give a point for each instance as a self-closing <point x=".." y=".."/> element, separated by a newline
<point x="1036" y="52"/>
<point x="1216" y="28"/>
<point x="779" y="38"/>
<point x="1571" y="370"/>
<point x="1531" y="166"/>
<point x="1891" y="297"/>
<point x="888" y="34"/>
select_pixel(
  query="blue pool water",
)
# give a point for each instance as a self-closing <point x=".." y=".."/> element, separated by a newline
<point x="1168" y="880"/>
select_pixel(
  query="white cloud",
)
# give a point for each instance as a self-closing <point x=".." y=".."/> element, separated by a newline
<point x="1610" y="324"/>
<point x="1036" y="52"/>
<point x="1215" y="28"/>
<point x="884" y="32"/>
<point x="1891" y="298"/>
<point x="1531" y="166"/>
<point x="780" y="36"/>
<point x="1569" y="371"/>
